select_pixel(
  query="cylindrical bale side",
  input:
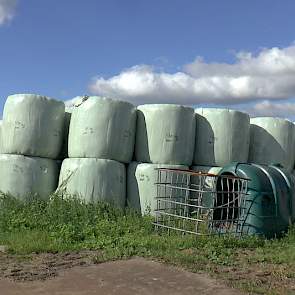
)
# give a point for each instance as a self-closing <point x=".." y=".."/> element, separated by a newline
<point x="222" y="137"/>
<point x="141" y="188"/>
<point x="33" y="125"/>
<point x="272" y="142"/>
<point x="165" y="134"/>
<point x="102" y="128"/>
<point x="94" y="180"/>
<point x="22" y="176"/>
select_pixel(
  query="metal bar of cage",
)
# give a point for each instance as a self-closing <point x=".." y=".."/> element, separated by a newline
<point x="200" y="203"/>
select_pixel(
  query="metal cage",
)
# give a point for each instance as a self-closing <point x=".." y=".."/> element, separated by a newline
<point x="200" y="203"/>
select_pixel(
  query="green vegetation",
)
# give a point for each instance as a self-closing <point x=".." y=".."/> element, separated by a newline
<point x="58" y="225"/>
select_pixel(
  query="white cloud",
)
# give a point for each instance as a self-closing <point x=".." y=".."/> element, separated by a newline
<point x="7" y="10"/>
<point x="268" y="75"/>
<point x="272" y="109"/>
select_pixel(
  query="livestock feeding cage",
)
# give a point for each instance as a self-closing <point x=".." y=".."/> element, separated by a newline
<point x="200" y="203"/>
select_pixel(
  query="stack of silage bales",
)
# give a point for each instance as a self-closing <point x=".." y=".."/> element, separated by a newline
<point x="272" y="142"/>
<point x="101" y="140"/>
<point x="165" y="136"/>
<point x="222" y="137"/>
<point x="32" y="133"/>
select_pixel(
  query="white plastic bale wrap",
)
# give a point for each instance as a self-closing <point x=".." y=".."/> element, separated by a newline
<point x="165" y="134"/>
<point x="22" y="176"/>
<point x="33" y="125"/>
<point x="222" y="137"/>
<point x="272" y="142"/>
<point x="103" y="128"/>
<point x="94" y="180"/>
<point x="141" y="188"/>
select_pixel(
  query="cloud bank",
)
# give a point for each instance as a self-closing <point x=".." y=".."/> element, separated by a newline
<point x="271" y="109"/>
<point x="7" y="10"/>
<point x="268" y="75"/>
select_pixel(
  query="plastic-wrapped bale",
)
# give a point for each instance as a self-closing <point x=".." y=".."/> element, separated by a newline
<point x="23" y="176"/>
<point x="141" y="188"/>
<point x="272" y="142"/>
<point x="103" y="128"/>
<point x="1" y="143"/>
<point x="67" y="120"/>
<point x="94" y="180"/>
<point x="33" y="125"/>
<point x="165" y="134"/>
<point x="222" y="137"/>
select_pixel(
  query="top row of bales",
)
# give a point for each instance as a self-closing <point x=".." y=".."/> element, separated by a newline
<point x="164" y="134"/>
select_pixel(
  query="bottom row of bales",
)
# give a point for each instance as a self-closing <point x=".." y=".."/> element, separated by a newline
<point x="94" y="179"/>
<point x="88" y="178"/>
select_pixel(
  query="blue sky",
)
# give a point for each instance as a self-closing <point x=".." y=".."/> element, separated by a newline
<point x="145" y="51"/>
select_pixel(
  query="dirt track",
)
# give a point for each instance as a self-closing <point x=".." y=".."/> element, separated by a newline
<point x="134" y="276"/>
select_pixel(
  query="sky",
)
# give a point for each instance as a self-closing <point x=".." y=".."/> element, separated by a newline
<point x="227" y="53"/>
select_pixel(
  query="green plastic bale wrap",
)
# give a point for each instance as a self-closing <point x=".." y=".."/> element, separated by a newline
<point x="165" y="134"/>
<point x="103" y="128"/>
<point x="22" y="176"/>
<point x="272" y="142"/>
<point x="94" y="180"/>
<point x="222" y="137"/>
<point x="141" y="187"/>
<point x="33" y="126"/>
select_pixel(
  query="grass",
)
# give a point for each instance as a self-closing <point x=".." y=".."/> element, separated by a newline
<point x="252" y="264"/>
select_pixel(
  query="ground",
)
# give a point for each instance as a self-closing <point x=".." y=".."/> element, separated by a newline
<point x="75" y="273"/>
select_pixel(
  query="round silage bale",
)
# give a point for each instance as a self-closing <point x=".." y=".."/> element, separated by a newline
<point x="272" y="142"/>
<point x="222" y="137"/>
<point x="22" y="176"/>
<point x="165" y="134"/>
<point x="102" y="128"/>
<point x="141" y="188"/>
<point x="33" y="125"/>
<point x="93" y="180"/>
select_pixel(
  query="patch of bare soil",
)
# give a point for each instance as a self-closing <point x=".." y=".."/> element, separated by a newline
<point x="125" y="277"/>
<point x="41" y="266"/>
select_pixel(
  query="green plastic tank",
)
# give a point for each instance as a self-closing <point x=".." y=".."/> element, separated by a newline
<point x="269" y="203"/>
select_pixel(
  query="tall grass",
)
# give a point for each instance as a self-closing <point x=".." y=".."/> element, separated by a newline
<point x="70" y="223"/>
